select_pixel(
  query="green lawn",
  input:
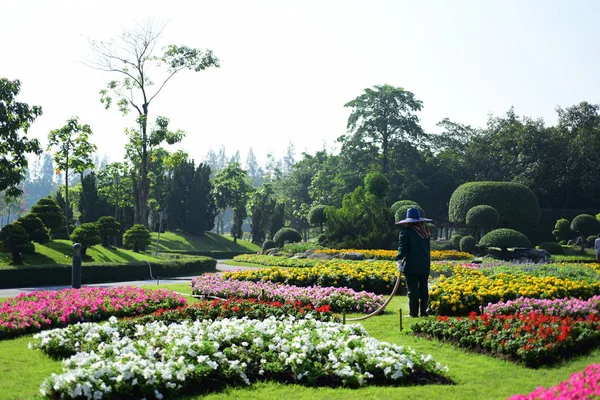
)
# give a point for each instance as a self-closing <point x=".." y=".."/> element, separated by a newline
<point x="61" y="252"/>
<point x="476" y="376"/>
<point x="172" y="241"/>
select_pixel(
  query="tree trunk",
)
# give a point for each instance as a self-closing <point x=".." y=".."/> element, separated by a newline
<point x="16" y="258"/>
<point x="67" y="197"/>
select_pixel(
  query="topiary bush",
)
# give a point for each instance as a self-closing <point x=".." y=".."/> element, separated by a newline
<point x="468" y="244"/>
<point x="49" y="212"/>
<point x="109" y="228"/>
<point x="516" y="203"/>
<point x="586" y="225"/>
<point x="505" y="238"/>
<point x="286" y="235"/>
<point x="88" y="235"/>
<point x="316" y="216"/>
<point x="377" y="184"/>
<point x="440" y="245"/>
<point x="14" y="239"/>
<point x="562" y="230"/>
<point x="137" y="237"/>
<point x="589" y="242"/>
<point x="455" y="240"/>
<point x="401" y="211"/>
<point x="268" y="244"/>
<point x="483" y="216"/>
<point x="551" y="247"/>
<point x="394" y="207"/>
<point x="321" y="239"/>
<point x="34" y="227"/>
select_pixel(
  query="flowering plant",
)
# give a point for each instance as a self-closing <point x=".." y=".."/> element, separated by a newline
<point x="339" y="299"/>
<point x="571" y="307"/>
<point x="40" y="310"/>
<point x="581" y="385"/>
<point x="159" y="359"/>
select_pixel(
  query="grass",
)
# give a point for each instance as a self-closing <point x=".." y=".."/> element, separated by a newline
<point x="210" y="241"/>
<point x="476" y="376"/>
<point x="61" y="252"/>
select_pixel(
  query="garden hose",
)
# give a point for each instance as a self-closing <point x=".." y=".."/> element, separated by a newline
<point x="380" y="309"/>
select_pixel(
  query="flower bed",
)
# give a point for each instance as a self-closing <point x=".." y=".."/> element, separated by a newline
<point x="339" y="299"/>
<point x="533" y="338"/>
<point x="161" y="360"/>
<point x="568" y="307"/>
<point x="467" y="289"/>
<point x="40" y="310"/>
<point x="436" y="255"/>
<point x="581" y="385"/>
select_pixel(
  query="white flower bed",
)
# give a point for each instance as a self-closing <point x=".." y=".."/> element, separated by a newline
<point x="159" y="359"/>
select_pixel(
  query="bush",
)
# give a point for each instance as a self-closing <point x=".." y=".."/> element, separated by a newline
<point x="441" y="245"/>
<point x="109" y="228"/>
<point x="137" y="237"/>
<point x="455" y="240"/>
<point x="468" y="244"/>
<point x="49" y="212"/>
<point x="505" y="238"/>
<point x="34" y="227"/>
<point x="401" y="211"/>
<point x="394" y="207"/>
<point x="316" y="216"/>
<point x="586" y="225"/>
<point x="551" y="247"/>
<point x="321" y="239"/>
<point x="377" y="184"/>
<point x="483" y="216"/>
<point x="562" y="230"/>
<point x="286" y="235"/>
<point x="268" y="244"/>
<point x="293" y="248"/>
<point x="88" y="235"/>
<point x="516" y="204"/>
<point x="589" y="242"/>
<point x="14" y="239"/>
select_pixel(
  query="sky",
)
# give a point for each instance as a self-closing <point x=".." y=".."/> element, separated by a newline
<point x="288" y="67"/>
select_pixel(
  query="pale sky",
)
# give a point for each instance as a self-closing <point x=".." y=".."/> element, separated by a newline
<point x="288" y="67"/>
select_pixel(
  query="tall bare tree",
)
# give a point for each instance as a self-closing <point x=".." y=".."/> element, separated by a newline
<point x="133" y="55"/>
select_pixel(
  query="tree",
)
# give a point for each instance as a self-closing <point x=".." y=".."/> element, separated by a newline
<point x="108" y="228"/>
<point x="114" y="184"/>
<point x="133" y="56"/>
<point x="14" y="239"/>
<point x="73" y="151"/>
<point x="261" y="208"/>
<point x="49" y="212"/>
<point x="91" y="205"/>
<point x="15" y="117"/>
<point x="137" y="237"/>
<point x="316" y="216"/>
<point x="232" y="190"/>
<point x="88" y="235"/>
<point x="383" y="115"/>
<point x="562" y="231"/>
<point x="586" y="225"/>
<point x="201" y="204"/>
<point x="34" y="227"/>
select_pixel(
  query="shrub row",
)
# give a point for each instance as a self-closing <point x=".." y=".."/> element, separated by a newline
<point x="51" y="275"/>
<point x="217" y="255"/>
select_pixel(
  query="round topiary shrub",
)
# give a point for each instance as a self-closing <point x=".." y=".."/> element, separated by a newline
<point x="394" y="207"/>
<point x="316" y="216"/>
<point x="483" y="216"/>
<point x="586" y="225"/>
<point x="34" y="227"/>
<point x="14" y="239"/>
<point x="455" y="240"/>
<point x="377" y="184"/>
<point x="505" y="238"/>
<point x="401" y="211"/>
<point x="268" y="244"/>
<point x="468" y="244"/>
<point x="321" y="239"/>
<point x="551" y="247"/>
<point x="88" y="235"/>
<point x="286" y="235"/>
<point x="516" y="204"/>
<point x="137" y="237"/>
<point x="49" y="212"/>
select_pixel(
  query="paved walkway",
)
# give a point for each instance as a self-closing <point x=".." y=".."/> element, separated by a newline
<point x="183" y="279"/>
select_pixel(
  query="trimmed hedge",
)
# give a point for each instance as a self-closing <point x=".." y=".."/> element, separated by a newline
<point x="468" y="244"/>
<point x="217" y="255"/>
<point x="505" y="238"/>
<point x="516" y="203"/>
<point x="54" y="275"/>
<point x="542" y="232"/>
<point x="551" y="247"/>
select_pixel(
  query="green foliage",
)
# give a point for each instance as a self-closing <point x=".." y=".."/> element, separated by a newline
<point x="317" y="216"/>
<point x="14" y="148"/>
<point x="137" y="237"/>
<point x="377" y="184"/>
<point x="562" y="230"/>
<point x="551" y="247"/>
<point x="34" y="227"/>
<point x="15" y="240"/>
<point x="88" y="235"/>
<point x="321" y="239"/>
<point x="269" y="244"/>
<point x="402" y="210"/>
<point x="108" y="228"/>
<point x="516" y="203"/>
<point x="278" y="219"/>
<point x="589" y="241"/>
<point x="505" y="238"/>
<point x="302" y="247"/>
<point x="482" y="216"/>
<point x="91" y="205"/>
<point x="586" y="225"/>
<point x="49" y="212"/>
<point x="261" y="208"/>
<point x="286" y="235"/>
<point x="442" y="245"/>
<point x="468" y="244"/>
<point x="232" y="190"/>
<point x="455" y="240"/>
<point x="394" y="207"/>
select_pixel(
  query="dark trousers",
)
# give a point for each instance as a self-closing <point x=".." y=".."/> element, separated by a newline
<point x="418" y="293"/>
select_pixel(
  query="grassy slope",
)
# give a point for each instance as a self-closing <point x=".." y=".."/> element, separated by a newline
<point x="476" y="376"/>
<point x="171" y="241"/>
<point x="61" y="252"/>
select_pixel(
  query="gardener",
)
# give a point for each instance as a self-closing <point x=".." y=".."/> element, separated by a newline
<point x="414" y="260"/>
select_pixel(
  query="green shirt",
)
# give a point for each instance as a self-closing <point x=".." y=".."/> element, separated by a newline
<point x="415" y="250"/>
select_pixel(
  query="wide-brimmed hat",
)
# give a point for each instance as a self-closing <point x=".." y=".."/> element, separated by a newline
<point x="413" y="215"/>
